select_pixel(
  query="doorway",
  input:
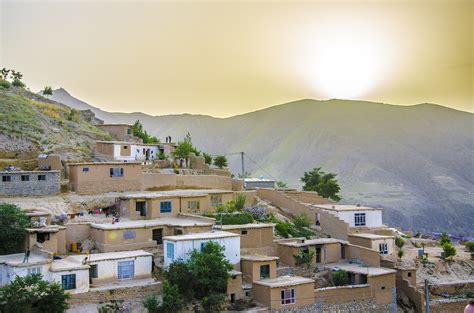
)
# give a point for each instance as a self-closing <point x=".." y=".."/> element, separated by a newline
<point x="318" y="255"/>
<point x="157" y="235"/>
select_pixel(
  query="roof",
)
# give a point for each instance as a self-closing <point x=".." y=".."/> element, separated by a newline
<point x="47" y="229"/>
<point x="359" y="268"/>
<point x="174" y="193"/>
<point x="284" y="281"/>
<point x="345" y="207"/>
<point x="370" y="236"/>
<point x="28" y="172"/>
<point x="310" y="242"/>
<point x="256" y="179"/>
<point x="104" y="163"/>
<point x="118" y="124"/>
<point x="215" y="234"/>
<point x="258" y="257"/>
<point x="16" y="259"/>
<point x="165" y="221"/>
<point x="235" y="273"/>
<point x="246" y="226"/>
<point x="112" y="142"/>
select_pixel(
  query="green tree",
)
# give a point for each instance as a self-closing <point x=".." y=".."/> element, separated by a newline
<point x="399" y="242"/>
<point x="13" y="223"/>
<point x="207" y="158"/>
<point x="239" y="201"/>
<point x="444" y="238"/>
<point x="138" y="131"/>
<point x="178" y="274"/>
<point x="304" y="257"/>
<point x="16" y="79"/>
<point x="281" y="184"/>
<point x="340" y="278"/>
<point x="47" y="91"/>
<point x="172" y="300"/>
<point x="449" y="250"/>
<point x="220" y="161"/>
<point x="325" y="184"/>
<point x="152" y="304"/>
<point x="4" y="73"/>
<point x="400" y="253"/>
<point x="33" y="294"/>
<point x="301" y="220"/>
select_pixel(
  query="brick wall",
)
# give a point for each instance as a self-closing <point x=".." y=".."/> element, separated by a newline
<point x="27" y="183"/>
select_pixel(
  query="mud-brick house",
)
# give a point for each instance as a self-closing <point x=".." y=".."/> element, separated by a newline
<point x="382" y="243"/>
<point x="355" y="215"/>
<point x="122" y="132"/>
<point x="139" y="234"/>
<point x="284" y="292"/>
<point x="234" y="286"/>
<point x="178" y="247"/>
<point x="102" y="177"/>
<point x="326" y="250"/>
<point x="131" y="151"/>
<point x="257" y="267"/>
<point x="29" y="183"/>
<point x="255" y="238"/>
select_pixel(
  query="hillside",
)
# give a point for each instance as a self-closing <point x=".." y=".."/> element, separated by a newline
<point x="31" y="124"/>
<point x="415" y="161"/>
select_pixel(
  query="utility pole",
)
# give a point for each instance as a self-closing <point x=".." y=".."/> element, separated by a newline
<point x="427" y="296"/>
<point x="243" y="169"/>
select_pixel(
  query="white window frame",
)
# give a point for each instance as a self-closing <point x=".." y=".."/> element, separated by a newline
<point x="288" y="296"/>
<point x="360" y="219"/>
<point x="33" y="270"/>
<point x="383" y="248"/>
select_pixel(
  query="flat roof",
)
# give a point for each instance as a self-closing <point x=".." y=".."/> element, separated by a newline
<point x="114" y="125"/>
<point x="284" y="281"/>
<point x="174" y="193"/>
<point x="310" y="242"/>
<point x="251" y="225"/>
<point x="371" y="236"/>
<point x="345" y="207"/>
<point x="165" y="221"/>
<point x="103" y="163"/>
<point x="359" y="268"/>
<point x="258" y="257"/>
<point x="116" y="142"/>
<point x="97" y="257"/>
<point x="27" y="172"/>
<point x="256" y="179"/>
<point x="16" y="259"/>
<point x="215" y="234"/>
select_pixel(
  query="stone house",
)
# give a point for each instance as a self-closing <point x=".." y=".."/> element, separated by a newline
<point x="49" y="162"/>
<point x="102" y="177"/>
<point x="384" y="244"/>
<point x="29" y="183"/>
<point x="122" y="132"/>
<point x="178" y="247"/>
<point x="131" y="151"/>
<point x="255" y="238"/>
<point x="234" y="286"/>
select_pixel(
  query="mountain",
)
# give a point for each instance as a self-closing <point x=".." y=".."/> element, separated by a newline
<point x="416" y="162"/>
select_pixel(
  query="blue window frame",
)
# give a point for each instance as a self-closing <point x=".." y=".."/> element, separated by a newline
<point x="126" y="269"/>
<point x="68" y="282"/>
<point x="165" y="206"/>
<point x="203" y="244"/>
<point x="170" y="250"/>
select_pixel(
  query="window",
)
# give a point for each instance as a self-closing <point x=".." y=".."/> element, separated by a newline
<point x="125" y="147"/>
<point x="193" y="206"/>
<point x="42" y="237"/>
<point x="25" y="177"/>
<point x="33" y="270"/>
<point x="85" y="169"/>
<point x="383" y="248"/>
<point x="93" y="271"/>
<point x="68" y="282"/>
<point x="129" y="234"/>
<point x="116" y="171"/>
<point x="165" y="206"/>
<point x="288" y="296"/>
<point x="6" y="179"/>
<point x="216" y="200"/>
<point x="264" y="271"/>
<point x="42" y="177"/>
<point x="140" y="206"/>
<point x="170" y="250"/>
<point x="409" y="274"/>
<point x="126" y="269"/>
<point x="383" y="288"/>
<point x="243" y="232"/>
<point x="359" y="219"/>
<point x="203" y="244"/>
<point x="129" y="131"/>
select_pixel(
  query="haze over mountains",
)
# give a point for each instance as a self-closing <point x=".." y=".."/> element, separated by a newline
<point x="416" y="162"/>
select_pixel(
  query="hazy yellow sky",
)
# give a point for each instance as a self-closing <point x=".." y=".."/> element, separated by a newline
<point x="227" y="58"/>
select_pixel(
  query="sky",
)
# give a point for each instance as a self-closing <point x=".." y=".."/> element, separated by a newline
<point x="224" y="58"/>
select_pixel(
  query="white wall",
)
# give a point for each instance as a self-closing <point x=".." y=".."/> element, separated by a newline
<point x="182" y="248"/>
<point x="134" y="154"/>
<point x="373" y="218"/>
<point x="390" y="244"/>
<point x="8" y="273"/>
<point x="108" y="269"/>
<point x="82" y="279"/>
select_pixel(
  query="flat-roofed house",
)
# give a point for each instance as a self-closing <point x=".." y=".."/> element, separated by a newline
<point x="284" y="292"/>
<point x="102" y="177"/>
<point x="256" y="267"/>
<point x="255" y="238"/>
<point x="355" y="215"/>
<point x="327" y="250"/>
<point x="178" y="247"/>
<point x="384" y="244"/>
<point x="29" y="183"/>
<point x="130" y="151"/>
<point x="122" y="132"/>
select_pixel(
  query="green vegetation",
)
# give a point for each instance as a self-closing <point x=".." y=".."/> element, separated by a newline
<point x="33" y="294"/>
<point x="304" y="257"/>
<point x="297" y="227"/>
<point x="13" y="223"/>
<point x="137" y="131"/>
<point x="184" y="148"/>
<point x="281" y="184"/>
<point x="325" y="184"/>
<point x="162" y="155"/>
<point x="18" y="116"/>
<point x="340" y="278"/>
<point x="220" y="161"/>
<point x="400" y="253"/>
<point x="151" y="303"/>
<point x="207" y="158"/>
<point x="470" y="247"/>
<point x="399" y="242"/>
<point x="444" y="238"/>
<point x="448" y="248"/>
<point x="47" y="91"/>
<point x="4" y="84"/>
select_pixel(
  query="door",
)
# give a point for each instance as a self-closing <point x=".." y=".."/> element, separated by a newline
<point x="318" y="255"/>
<point x="126" y="269"/>
<point x="147" y="154"/>
<point x="158" y="235"/>
<point x="93" y="273"/>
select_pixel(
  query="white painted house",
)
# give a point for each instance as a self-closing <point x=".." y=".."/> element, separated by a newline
<point x="179" y="247"/>
<point x="130" y="151"/>
<point x="355" y="215"/>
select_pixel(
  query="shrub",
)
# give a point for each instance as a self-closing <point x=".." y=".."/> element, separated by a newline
<point x="4" y="84"/>
<point x="239" y="202"/>
<point x="237" y="219"/>
<point x="469" y="245"/>
<point x="151" y="303"/>
<point x="207" y="158"/>
<point x="400" y="253"/>
<point x="449" y="250"/>
<point x="220" y="161"/>
<point x="340" y="278"/>
<point x="304" y="257"/>
<point x="162" y="155"/>
<point x="444" y="238"/>
<point x="18" y="83"/>
<point x="399" y="242"/>
<point x="301" y="220"/>
<point x="13" y="223"/>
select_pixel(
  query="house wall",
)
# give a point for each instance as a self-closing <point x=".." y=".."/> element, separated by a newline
<point x="237" y="184"/>
<point x="33" y="187"/>
<point x="119" y="132"/>
<point x="330" y="253"/>
<point x="341" y="294"/>
<point x="249" y="196"/>
<point x="203" y="182"/>
<point x="82" y="279"/>
<point x="113" y="240"/>
<point x="97" y="180"/>
<point x="204" y="204"/>
<point x="77" y="233"/>
<point x="55" y="244"/>
<point x="51" y="162"/>
<point x="368" y="256"/>
<point x="251" y="269"/>
<point x="234" y="286"/>
<point x="159" y="181"/>
<point x="308" y="197"/>
<point x="373" y="218"/>
<point x="182" y="248"/>
<point x="8" y="273"/>
<point x="373" y="243"/>
<point x="382" y="286"/>
<point x="107" y="270"/>
<point x="271" y="297"/>
<point x="255" y="239"/>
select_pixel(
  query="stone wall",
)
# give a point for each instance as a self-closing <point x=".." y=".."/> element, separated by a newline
<point x="27" y="183"/>
<point x="342" y="307"/>
<point x="117" y="294"/>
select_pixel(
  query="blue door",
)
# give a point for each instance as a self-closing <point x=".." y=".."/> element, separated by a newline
<point x="126" y="269"/>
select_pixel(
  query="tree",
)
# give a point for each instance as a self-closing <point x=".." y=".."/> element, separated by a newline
<point x="340" y="278"/>
<point x="444" y="238"/>
<point x="4" y="73"/>
<point x="184" y="149"/>
<point x="220" y="161"/>
<point x="449" y="250"/>
<point x="13" y="223"/>
<point x="151" y="303"/>
<point x="137" y="131"/>
<point x="47" y="91"/>
<point x="17" y="76"/>
<point x="207" y="158"/>
<point x="399" y="242"/>
<point x="301" y="220"/>
<point x="400" y="253"/>
<point x="172" y="300"/>
<point x="32" y="293"/>
<point x="178" y="274"/>
<point x="239" y="202"/>
<point x="281" y="184"/>
<point x="325" y="184"/>
<point x="304" y="258"/>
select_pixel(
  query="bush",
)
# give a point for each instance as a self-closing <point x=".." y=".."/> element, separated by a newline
<point x="469" y="245"/>
<point x="239" y="202"/>
<point x="207" y="158"/>
<point x="444" y="238"/>
<point x="304" y="257"/>
<point x="4" y="84"/>
<point x="400" y="253"/>
<point x="399" y="242"/>
<point x="449" y="250"/>
<point x="18" y="83"/>
<point x="237" y="219"/>
<point x="220" y="161"/>
<point x="340" y="278"/>
<point x="151" y="303"/>
<point x="13" y="223"/>
<point x="301" y="220"/>
<point x="162" y="155"/>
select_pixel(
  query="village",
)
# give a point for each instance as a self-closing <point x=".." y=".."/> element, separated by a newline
<point x="107" y="229"/>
